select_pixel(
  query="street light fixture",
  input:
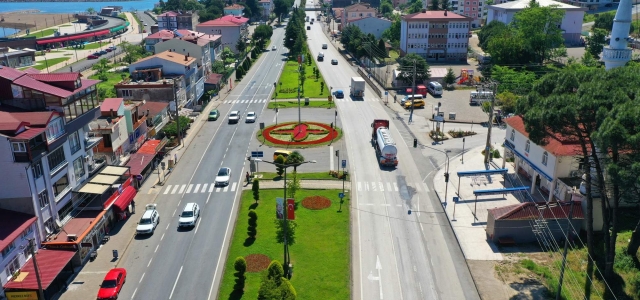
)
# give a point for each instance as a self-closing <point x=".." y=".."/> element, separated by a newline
<point x="286" y="265"/>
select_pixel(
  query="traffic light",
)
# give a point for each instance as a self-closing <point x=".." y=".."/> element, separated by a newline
<point x="415" y="143"/>
<point x="337" y="152"/>
<point x="446" y="177"/>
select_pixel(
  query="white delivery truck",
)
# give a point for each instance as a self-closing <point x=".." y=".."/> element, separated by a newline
<point x="357" y="87"/>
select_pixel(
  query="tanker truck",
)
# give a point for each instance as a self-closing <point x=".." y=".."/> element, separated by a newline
<point x="386" y="150"/>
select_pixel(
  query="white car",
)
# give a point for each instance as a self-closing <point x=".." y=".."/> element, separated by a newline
<point x="234" y="116"/>
<point x="223" y="177"/>
<point x="189" y="216"/>
<point x="273" y="48"/>
<point x="149" y="221"/>
<point x="251" y="117"/>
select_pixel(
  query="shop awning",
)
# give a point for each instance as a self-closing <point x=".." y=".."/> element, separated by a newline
<point x="104" y="179"/>
<point x="111" y="170"/>
<point x="91" y="188"/>
<point x="72" y="37"/>
<point x="149" y="147"/>
<point x="125" y="198"/>
<point x="50" y="264"/>
<point x="139" y="161"/>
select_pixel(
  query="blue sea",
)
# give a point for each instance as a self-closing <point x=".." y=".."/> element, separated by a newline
<point x="7" y="31"/>
<point x="74" y="7"/>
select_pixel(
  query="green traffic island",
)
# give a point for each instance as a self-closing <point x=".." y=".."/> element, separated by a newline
<point x="271" y="176"/>
<point x="293" y="103"/>
<point x="304" y="135"/>
<point x="438" y="135"/>
<point x="318" y="240"/>
<point x="312" y="84"/>
<point x="460" y="133"/>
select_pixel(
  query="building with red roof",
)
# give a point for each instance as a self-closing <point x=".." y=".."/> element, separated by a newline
<point x="16" y="230"/>
<point x="435" y="35"/>
<point x="231" y="28"/>
<point x="176" y="20"/>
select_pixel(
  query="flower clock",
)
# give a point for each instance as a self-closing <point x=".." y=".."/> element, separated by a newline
<point x="305" y="133"/>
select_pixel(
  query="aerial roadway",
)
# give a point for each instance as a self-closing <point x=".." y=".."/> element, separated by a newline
<point x="187" y="263"/>
<point x="395" y="255"/>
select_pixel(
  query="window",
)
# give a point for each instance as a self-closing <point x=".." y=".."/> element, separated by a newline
<point x="545" y="158"/>
<point x="127" y="93"/>
<point x="8" y="249"/>
<point x="60" y="185"/>
<point x="55" y="129"/>
<point x="48" y="226"/>
<point x="12" y="267"/>
<point x="37" y="169"/>
<point x="527" y="146"/>
<point x="78" y="167"/>
<point x="56" y="159"/>
<point x="19" y="147"/>
<point x="25" y="234"/>
<point x="74" y="142"/>
<point x="43" y="198"/>
<point x="513" y="135"/>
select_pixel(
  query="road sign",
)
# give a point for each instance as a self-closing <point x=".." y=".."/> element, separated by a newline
<point x="341" y="195"/>
<point x="439" y="119"/>
<point x="139" y="177"/>
<point x="344" y="163"/>
<point x="386" y="93"/>
<point x="257" y="154"/>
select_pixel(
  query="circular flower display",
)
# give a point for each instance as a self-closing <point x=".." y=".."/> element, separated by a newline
<point x="306" y="133"/>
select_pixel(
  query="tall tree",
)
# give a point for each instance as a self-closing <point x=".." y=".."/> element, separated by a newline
<point x="434" y="5"/>
<point x="261" y="34"/>
<point x="494" y="28"/>
<point x="450" y="78"/>
<point x="295" y="159"/>
<point x="252" y="9"/>
<point x="406" y="67"/>
<point x="596" y="41"/>
<point x="392" y="34"/>
<point x="382" y="48"/>
<point x="241" y="45"/>
<point x="386" y="7"/>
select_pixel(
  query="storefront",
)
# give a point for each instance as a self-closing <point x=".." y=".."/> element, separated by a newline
<point x="54" y="268"/>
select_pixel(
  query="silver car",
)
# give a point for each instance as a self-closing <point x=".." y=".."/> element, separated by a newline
<point x="251" y="117"/>
<point x="223" y="177"/>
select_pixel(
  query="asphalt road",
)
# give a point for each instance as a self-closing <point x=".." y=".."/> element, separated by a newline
<point x="395" y="255"/>
<point x="188" y="264"/>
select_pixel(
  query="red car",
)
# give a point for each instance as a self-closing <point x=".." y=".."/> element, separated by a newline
<point x="112" y="284"/>
<point x="92" y="56"/>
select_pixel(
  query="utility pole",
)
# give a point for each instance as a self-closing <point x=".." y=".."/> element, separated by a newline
<point x="413" y="90"/>
<point x="32" y="248"/>
<point x="487" y="152"/>
<point x="566" y="245"/>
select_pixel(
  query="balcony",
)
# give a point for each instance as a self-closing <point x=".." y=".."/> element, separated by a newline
<point x="91" y="141"/>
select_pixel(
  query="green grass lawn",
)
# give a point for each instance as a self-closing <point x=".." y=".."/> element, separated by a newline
<point x="122" y="16"/>
<point x="288" y="83"/>
<point x="294" y="103"/>
<point x="293" y="145"/>
<point x="320" y="255"/>
<point x="393" y="56"/>
<point x="41" y="65"/>
<point x="41" y="33"/>
<point x="308" y="176"/>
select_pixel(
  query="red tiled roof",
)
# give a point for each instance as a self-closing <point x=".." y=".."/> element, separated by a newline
<point x="228" y="20"/>
<point x="9" y="123"/>
<point x="138" y="162"/>
<point x="162" y="34"/>
<point x="36" y="118"/>
<point x="50" y="263"/>
<point x="557" y="145"/>
<point x="31" y="70"/>
<point x="153" y="107"/>
<point x="168" y="14"/>
<point x="10" y="73"/>
<point x="530" y="211"/>
<point x="111" y="103"/>
<point x="13" y="224"/>
<point x="434" y="14"/>
<point x="213" y="78"/>
<point x="55" y="77"/>
<point x="30" y="133"/>
<point x="149" y="147"/>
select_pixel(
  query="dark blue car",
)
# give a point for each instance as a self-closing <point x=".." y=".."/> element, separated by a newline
<point x="339" y="94"/>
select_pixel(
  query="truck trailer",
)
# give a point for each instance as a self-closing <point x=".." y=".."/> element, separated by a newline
<point x="357" y="87"/>
<point x="386" y="150"/>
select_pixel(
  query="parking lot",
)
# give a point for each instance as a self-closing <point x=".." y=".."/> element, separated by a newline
<point x="456" y="101"/>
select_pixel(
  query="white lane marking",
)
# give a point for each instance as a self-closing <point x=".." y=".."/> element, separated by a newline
<point x="204" y="188"/>
<point x="418" y="188"/>
<point x="195" y="190"/>
<point x="359" y="187"/>
<point x="197" y="226"/>
<point x="175" y="189"/>
<point x="233" y="186"/>
<point x="425" y="186"/>
<point x="381" y="186"/>
<point x="182" y="188"/>
<point x="226" y="188"/>
<point x="331" y="158"/>
<point x="167" y="227"/>
<point x="174" y="211"/>
<point x="154" y="251"/>
<point x="211" y="187"/>
<point x="385" y="204"/>
<point x="167" y="190"/>
<point x="388" y="186"/>
<point x="147" y="266"/>
<point x="134" y="293"/>
<point x="162" y="237"/>
<point x="189" y="188"/>
<point x="395" y="186"/>
<point x="175" y="283"/>
<point x="143" y="275"/>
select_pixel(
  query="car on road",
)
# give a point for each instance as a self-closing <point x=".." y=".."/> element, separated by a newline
<point x="321" y="56"/>
<point x="324" y="46"/>
<point x="234" y="116"/>
<point x="213" y="115"/>
<point x="308" y="27"/>
<point x="112" y="284"/>
<point x="223" y="177"/>
<point x="97" y="53"/>
<point x="149" y="220"/>
<point x="334" y="61"/>
<point x="103" y="52"/>
<point x="92" y="56"/>
<point x="113" y="47"/>
<point x="417" y="103"/>
<point x="273" y="48"/>
<point x="189" y="216"/>
<point x="108" y="49"/>
<point x="339" y="94"/>
<point x="145" y="24"/>
<point x="251" y="117"/>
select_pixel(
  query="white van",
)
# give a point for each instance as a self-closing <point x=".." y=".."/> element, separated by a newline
<point x="435" y="88"/>
<point x="476" y="98"/>
<point x="410" y="97"/>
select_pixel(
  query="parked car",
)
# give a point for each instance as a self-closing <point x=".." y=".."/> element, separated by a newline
<point x="416" y="104"/>
<point x="112" y="284"/>
<point x="189" y="216"/>
<point x="113" y="47"/>
<point x="97" y="53"/>
<point x="103" y="52"/>
<point x="92" y="56"/>
<point x="108" y="50"/>
<point x="213" y="115"/>
<point x="149" y="220"/>
<point x="223" y="177"/>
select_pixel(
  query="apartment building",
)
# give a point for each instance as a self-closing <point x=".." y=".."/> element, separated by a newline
<point x="205" y="48"/>
<point x="435" y="35"/>
<point x="234" y="10"/>
<point x="231" y="28"/>
<point x="267" y="8"/>
<point x="172" y="20"/>
<point x="16" y="231"/>
<point x="358" y="11"/>
<point x="474" y="9"/>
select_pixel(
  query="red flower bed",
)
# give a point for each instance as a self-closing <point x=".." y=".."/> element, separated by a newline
<point x="300" y="133"/>
<point x="257" y="262"/>
<point x="316" y="202"/>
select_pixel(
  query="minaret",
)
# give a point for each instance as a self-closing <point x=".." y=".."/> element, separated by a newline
<point x="618" y="54"/>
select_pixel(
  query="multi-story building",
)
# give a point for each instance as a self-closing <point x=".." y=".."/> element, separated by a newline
<point x="435" y="35"/>
<point x="474" y="9"/>
<point x="172" y="20"/>
<point x="571" y="22"/>
<point x="205" y="48"/>
<point x="267" y="8"/>
<point x="372" y="25"/>
<point x="232" y="29"/>
<point x="157" y="116"/>
<point x="111" y="126"/>
<point x="358" y="11"/>
<point x="17" y="58"/>
<point x="136" y="122"/>
<point x="16" y="231"/>
<point x="234" y="10"/>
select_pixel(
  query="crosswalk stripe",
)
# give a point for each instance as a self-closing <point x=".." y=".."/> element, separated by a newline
<point x="211" y="187"/>
<point x="204" y="188"/>
<point x="381" y="186"/>
<point x="389" y="186"/>
<point x="226" y="188"/>
<point x="366" y="186"/>
<point x="373" y="186"/>
<point x="233" y="186"/>
<point x="251" y="101"/>
<point x="197" y="188"/>
<point x="418" y="188"/>
<point x="359" y="187"/>
<point x="218" y="190"/>
<point x="175" y="189"/>
<point x="182" y="187"/>
<point x="189" y="188"/>
<point x="425" y="186"/>
<point x="395" y="186"/>
<point x="167" y="190"/>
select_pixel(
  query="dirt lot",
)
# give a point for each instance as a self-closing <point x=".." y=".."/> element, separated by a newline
<point x="33" y="21"/>
<point x="506" y="280"/>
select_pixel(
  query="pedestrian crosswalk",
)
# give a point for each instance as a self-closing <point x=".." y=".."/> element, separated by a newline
<point x="360" y="100"/>
<point x="199" y="188"/>
<point x="252" y="101"/>
<point x="373" y="186"/>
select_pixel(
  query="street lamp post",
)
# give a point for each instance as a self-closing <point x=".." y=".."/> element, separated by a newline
<point x="284" y="212"/>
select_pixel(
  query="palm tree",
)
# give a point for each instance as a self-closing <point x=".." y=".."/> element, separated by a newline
<point x="295" y="159"/>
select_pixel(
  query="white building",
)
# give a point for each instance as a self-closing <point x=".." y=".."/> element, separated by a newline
<point x="435" y="35"/>
<point x="17" y="229"/>
<point x="571" y="23"/>
<point x="203" y="47"/>
<point x="617" y="54"/>
<point x="372" y="25"/>
<point x="232" y="29"/>
<point x="267" y="8"/>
